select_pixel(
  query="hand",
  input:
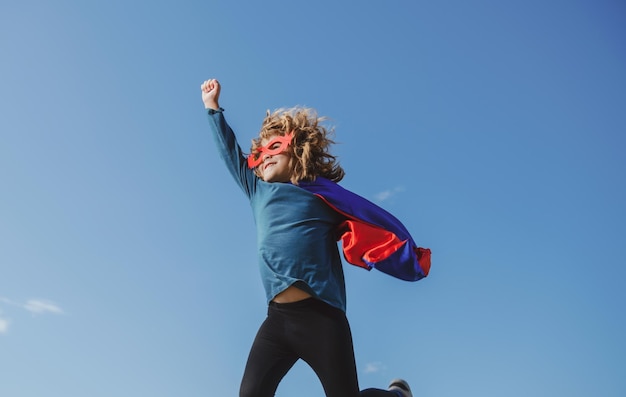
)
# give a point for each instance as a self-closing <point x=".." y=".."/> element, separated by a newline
<point x="211" y="94"/>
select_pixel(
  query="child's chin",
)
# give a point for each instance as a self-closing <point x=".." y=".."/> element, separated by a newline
<point x="272" y="179"/>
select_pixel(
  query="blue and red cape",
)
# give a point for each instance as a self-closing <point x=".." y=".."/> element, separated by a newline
<point x="372" y="237"/>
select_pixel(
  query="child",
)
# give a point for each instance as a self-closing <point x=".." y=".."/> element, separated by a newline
<point x="290" y="179"/>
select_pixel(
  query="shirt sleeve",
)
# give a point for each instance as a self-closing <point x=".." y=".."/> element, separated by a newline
<point x="230" y="151"/>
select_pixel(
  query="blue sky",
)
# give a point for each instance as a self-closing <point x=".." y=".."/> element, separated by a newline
<point x="494" y="130"/>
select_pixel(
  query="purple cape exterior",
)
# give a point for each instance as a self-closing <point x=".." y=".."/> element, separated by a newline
<point x="372" y="237"/>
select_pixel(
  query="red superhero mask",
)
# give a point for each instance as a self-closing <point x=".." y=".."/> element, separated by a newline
<point x="275" y="146"/>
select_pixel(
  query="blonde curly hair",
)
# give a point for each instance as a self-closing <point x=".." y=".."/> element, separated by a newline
<point x="309" y="148"/>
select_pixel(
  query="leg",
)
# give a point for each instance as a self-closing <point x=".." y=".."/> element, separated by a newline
<point x="324" y="341"/>
<point x="268" y="362"/>
<point x="397" y="388"/>
<point x="320" y="335"/>
<point x="327" y="348"/>
<point x="380" y="393"/>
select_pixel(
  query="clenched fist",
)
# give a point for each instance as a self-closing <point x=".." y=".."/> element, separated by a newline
<point x="211" y="94"/>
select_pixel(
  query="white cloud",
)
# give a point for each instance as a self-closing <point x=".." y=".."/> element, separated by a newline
<point x="387" y="194"/>
<point x="4" y="325"/>
<point x="41" y="306"/>
<point x="374" y="367"/>
<point x="34" y="306"/>
<point x="382" y="196"/>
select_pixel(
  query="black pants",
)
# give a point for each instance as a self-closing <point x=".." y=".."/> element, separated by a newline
<point x="310" y="330"/>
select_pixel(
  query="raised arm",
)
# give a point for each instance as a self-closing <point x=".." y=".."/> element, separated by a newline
<point x="224" y="137"/>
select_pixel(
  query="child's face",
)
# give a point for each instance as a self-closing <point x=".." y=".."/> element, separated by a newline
<point x="274" y="168"/>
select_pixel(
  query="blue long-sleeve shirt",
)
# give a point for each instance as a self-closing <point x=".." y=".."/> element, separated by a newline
<point x="296" y="239"/>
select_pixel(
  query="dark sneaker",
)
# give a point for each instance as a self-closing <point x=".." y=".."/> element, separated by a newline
<point x="400" y="385"/>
